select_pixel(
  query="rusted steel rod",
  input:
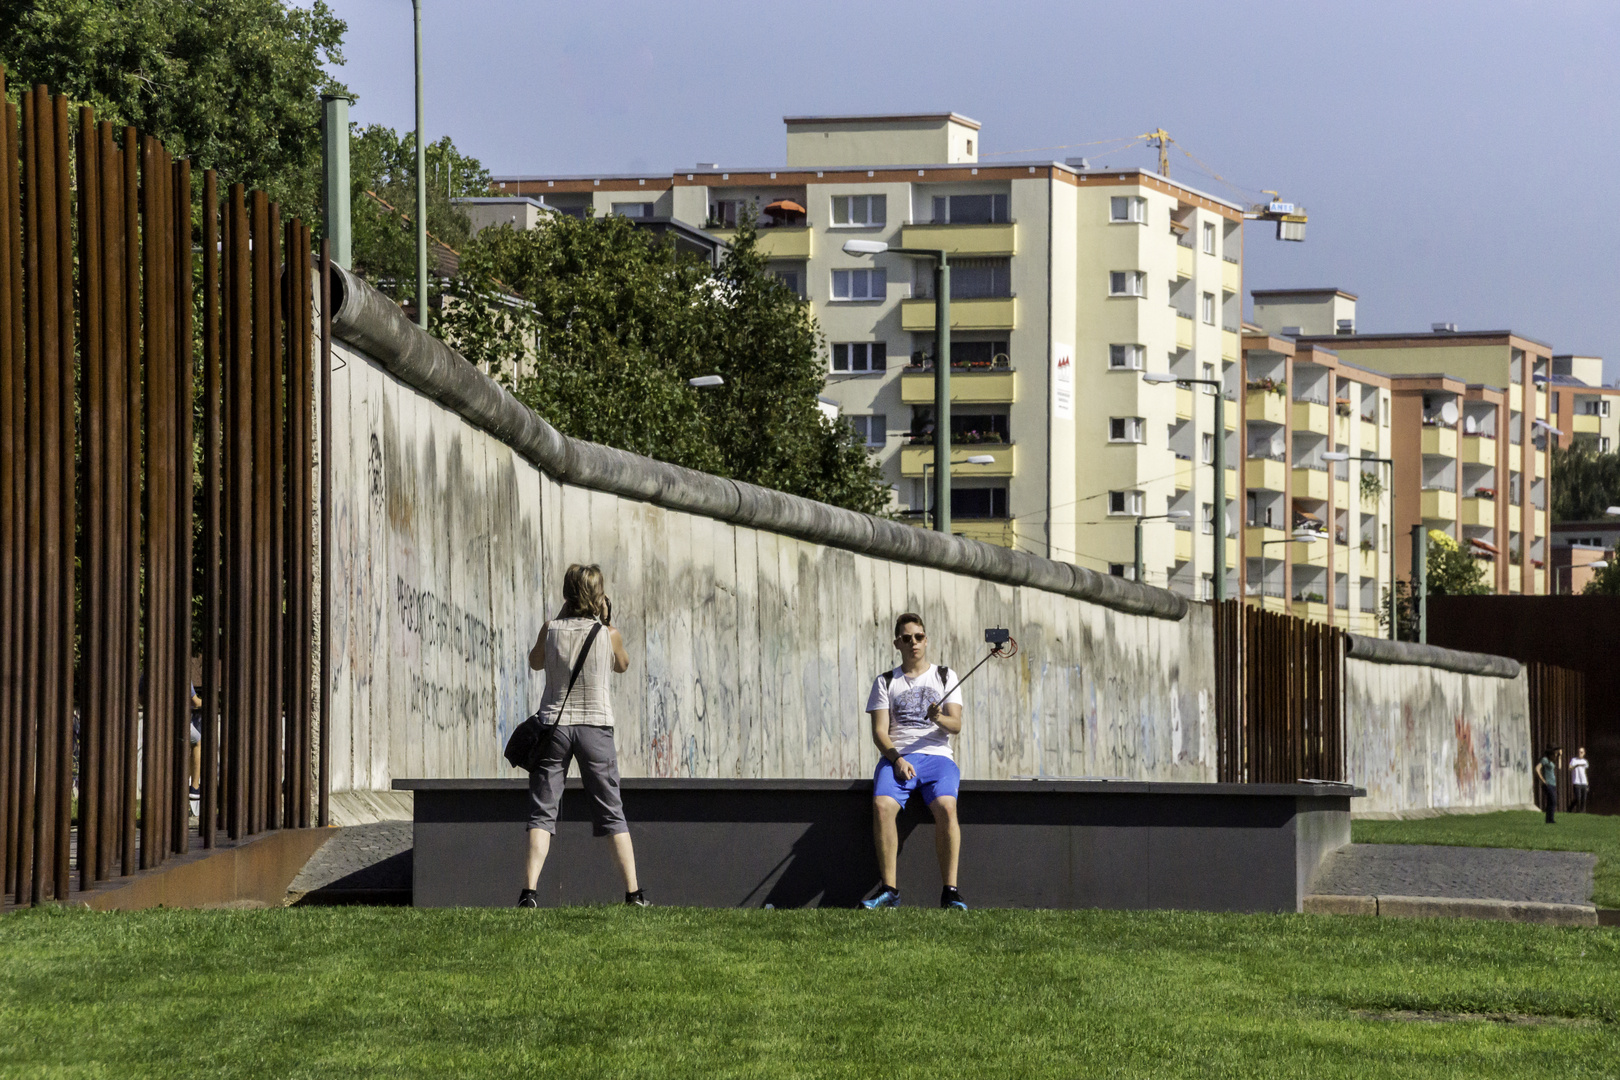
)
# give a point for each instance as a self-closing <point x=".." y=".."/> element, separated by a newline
<point x="208" y="782"/>
<point x="180" y="242"/>
<point x="239" y="513"/>
<point x="303" y="522"/>
<point x="324" y="817"/>
<point x="11" y="450"/>
<point x="115" y="485"/>
<point x="33" y="609"/>
<point x="263" y="472"/>
<point x="276" y="656"/>
<point x="92" y="502"/>
<point x="67" y="501"/>
<point x="130" y="670"/>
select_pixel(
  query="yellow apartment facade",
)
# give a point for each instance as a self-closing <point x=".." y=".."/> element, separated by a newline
<point x="1068" y="284"/>
<point x="1584" y="410"/>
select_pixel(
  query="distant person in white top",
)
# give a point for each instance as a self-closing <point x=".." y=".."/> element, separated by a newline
<point x="914" y="714"/>
<point x="1577" y="779"/>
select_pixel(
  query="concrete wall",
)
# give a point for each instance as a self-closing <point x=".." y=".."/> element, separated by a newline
<point x="752" y="651"/>
<point x="1424" y="738"/>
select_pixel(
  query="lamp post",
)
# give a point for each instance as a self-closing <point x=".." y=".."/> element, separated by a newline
<point x="942" y="368"/>
<point x="421" y="181"/>
<point x="1174" y="514"/>
<point x="1301" y="537"/>
<point x="1335" y="455"/>
<point x="976" y="459"/>
<point x="1220" y="470"/>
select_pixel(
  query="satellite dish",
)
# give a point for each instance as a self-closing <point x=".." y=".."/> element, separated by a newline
<point x="1470" y="426"/>
<point x="1448" y="413"/>
<point x="1278" y="443"/>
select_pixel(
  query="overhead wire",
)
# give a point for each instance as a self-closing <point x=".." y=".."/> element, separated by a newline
<point x="1128" y="143"/>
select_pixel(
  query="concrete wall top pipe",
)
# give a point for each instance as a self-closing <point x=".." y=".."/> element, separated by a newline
<point x="1384" y="651"/>
<point x="372" y="323"/>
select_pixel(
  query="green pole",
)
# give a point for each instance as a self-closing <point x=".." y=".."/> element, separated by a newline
<point x="421" y="182"/>
<point x="942" y="393"/>
<point x="335" y="158"/>
<point x="1220" y="496"/>
<point x="1420" y="583"/>
<point x="1138" y="550"/>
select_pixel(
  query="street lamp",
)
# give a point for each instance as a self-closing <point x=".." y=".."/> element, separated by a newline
<point x="1174" y="514"/>
<point x="1303" y="536"/>
<point x="942" y="368"/>
<point x="704" y="381"/>
<point x="1337" y="455"/>
<point x="1220" y="470"/>
<point x="1613" y="511"/>
<point x="976" y="459"/>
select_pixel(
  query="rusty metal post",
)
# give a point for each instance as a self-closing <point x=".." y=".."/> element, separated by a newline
<point x="32" y="611"/>
<point x="208" y="783"/>
<point x="323" y="818"/>
<point x="158" y="496"/>
<point x="92" y="502"/>
<point x="11" y="448"/>
<point x="67" y="500"/>
<point x="239" y="514"/>
<point x="304" y="521"/>
<point x="263" y="471"/>
<point x="129" y="190"/>
<point x="185" y="411"/>
<point x="115" y="481"/>
<point x="276" y="658"/>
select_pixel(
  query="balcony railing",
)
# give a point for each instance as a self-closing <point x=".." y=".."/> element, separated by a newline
<point x="1438" y="485"/>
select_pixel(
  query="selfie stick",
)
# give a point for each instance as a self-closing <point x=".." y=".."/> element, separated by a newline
<point x="1003" y="648"/>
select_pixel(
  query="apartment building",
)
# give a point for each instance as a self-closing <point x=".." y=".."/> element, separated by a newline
<point x="1470" y="426"/>
<point x="1305" y="408"/>
<point x="1583" y="409"/>
<point x="1068" y="284"/>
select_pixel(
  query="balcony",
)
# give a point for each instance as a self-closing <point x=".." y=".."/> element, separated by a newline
<point x="1229" y="410"/>
<point x="1440" y="440"/>
<point x="912" y="459"/>
<point x="967" y="387"/>
<point x="1367" y="562"/>
<point x="1256" y="535"/>
<point x="1341" y="558"/>
<point x="1309" y="609"/>
<point x="1310" y="484"/>
<point x="1368" y="439"/>
<point x="1184" y="542"/>
<point x="1309" y="416"/>
<point x="998" y="239"/>
<point x="1266" y="405"/>
<point x="1479" y="450"/>
<point x="1231" y="485"/>
<point x="1265" y="474"/>
<point x="1184" y="331"/>
<point x="1314" y="554"/>
<point x="1541" y="523"/>
<point x="1184" y="403"/>
<point x="780" y="242"/>
<point x="997" y="531"/>
<point x="1477" y="511"/>
<point x="1184" y="474"/>
<point x="1439" y="505"/>
<point x="1541" y="582"/>
<point x="1231" y="345"/>
<point x="1516" y="397"/>
<point x="1586" y="424"/>
<point x="1186" y="261"/>
<point x="980" y="313"/>
<point x="1231" y="276"/>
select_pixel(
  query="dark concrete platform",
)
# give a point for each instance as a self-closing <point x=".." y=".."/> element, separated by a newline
<point x="1470" y="873"/>
<point x="796" y="843"/>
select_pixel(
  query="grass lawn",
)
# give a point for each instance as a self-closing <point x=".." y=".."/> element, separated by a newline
<point x="1597" y="833"/>
<point x="362" y="992"/>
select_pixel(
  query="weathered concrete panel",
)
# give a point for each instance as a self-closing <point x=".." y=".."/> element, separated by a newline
<point x="1420" y="738"/>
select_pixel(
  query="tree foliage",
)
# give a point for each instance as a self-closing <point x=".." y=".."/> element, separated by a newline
<point x="382" y="173"/>
<point x="1452" y="569"/>
<point x="1584" y="483"/>
<point x="234" y="85"/>
<point x="1605" y="582"/>
<point x="597" y="327"/>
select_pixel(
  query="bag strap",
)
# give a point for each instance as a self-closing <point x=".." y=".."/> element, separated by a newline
<point x="579" y="665"/>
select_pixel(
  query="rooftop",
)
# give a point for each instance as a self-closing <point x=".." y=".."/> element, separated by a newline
<point x="1326" y="290"/>
<point x="888" y="118"/>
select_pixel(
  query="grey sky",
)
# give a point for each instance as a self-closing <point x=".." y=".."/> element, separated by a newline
<point x="1454" y="157"/>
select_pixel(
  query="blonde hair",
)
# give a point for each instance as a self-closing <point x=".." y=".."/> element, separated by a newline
<point x="584" y="595"/>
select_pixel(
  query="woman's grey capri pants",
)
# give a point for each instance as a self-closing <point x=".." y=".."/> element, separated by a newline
<point x="592" y="747"/>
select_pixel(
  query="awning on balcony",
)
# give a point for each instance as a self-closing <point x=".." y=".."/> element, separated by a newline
<point x="1484" y="545"/>
<point x="784" y="206"/>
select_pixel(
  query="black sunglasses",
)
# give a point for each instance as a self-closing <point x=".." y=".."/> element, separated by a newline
<point x="909" y="638"/>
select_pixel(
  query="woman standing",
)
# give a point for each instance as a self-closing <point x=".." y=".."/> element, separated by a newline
<point x="579" y="725"/>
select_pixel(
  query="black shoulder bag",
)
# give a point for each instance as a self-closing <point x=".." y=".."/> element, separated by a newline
<point x="523" y="748"/>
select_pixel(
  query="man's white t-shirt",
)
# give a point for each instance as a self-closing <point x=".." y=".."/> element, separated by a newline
<point x="1577" y="770"/>
<point x="907" y="700"/>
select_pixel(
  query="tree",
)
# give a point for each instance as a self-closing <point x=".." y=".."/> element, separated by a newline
<point x="598" y="327"/>
<point x="1584" y="482"/>
<point x="1452" y="570"/>
<point x="234" y="85"/>
<point x="1605" y="582"/>
<point x="382" y="171"/>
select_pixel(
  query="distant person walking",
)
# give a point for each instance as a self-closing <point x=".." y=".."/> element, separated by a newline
<point x="1577" y="780"/>
<point x="1547" y="776"/>
<point x="579" y="725"/>
<point x="913" y="719"/>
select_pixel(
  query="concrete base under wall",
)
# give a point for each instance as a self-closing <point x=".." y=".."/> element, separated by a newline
<point x="797" y="843"/>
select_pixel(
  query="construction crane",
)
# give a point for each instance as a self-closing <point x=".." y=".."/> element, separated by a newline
<point x="1290" y="217"/>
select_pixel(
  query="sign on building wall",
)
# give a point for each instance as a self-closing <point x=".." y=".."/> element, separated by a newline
<point x="1062" y="381"/>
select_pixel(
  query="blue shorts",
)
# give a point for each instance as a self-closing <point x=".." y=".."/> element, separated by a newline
<point x="936" y="775"/>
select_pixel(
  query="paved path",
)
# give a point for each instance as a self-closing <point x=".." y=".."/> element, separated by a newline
<point x="1555" y="877"/>
<point x="374" y="857"/>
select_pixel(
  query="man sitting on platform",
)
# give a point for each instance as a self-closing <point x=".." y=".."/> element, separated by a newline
<point x="915" y="710"/>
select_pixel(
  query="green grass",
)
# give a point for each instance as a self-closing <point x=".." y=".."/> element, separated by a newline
<point x="912" y="993"/>
<point x="1597" y="833"/>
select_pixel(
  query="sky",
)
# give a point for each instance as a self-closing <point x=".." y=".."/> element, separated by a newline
<point x="1453" y="157"/>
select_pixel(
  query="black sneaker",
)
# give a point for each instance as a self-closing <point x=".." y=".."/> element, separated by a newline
<point x="952" y="899"/>
<point x="637" y="899"/>
<point x="527" y="898"/>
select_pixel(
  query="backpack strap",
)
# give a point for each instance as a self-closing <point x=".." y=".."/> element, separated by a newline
<point x="888" y="679"/>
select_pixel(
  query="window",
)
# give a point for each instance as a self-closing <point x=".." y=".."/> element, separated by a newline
<point x="1127" y="208"/>
<point x="1126" y="357"/>
<point x="1125" y="429"/>
<point x="1209" y="238"/>
<point x="725" y="213"/>
<point x="1125" y="502"/>
<point x="1209" y="308"/>
<point x="860" y="211"/>
<point x="979" y="354"/>
<point x="970" y="279"/>
<point x="979" y="502"/>
<point x="1127" y="283"/>
<point x="789" y="280"/>
<point x="1207" y="448"/>
<point x="859" y="284"/>
<point x="870" y="431"/>
<point x="1603" y="444"/>
<point x="633" y="209"/>
<point x="970" y="146"/>
<point x="1209" y="519"/>
<point x="1124" y="570"/>
<point x="1209" y="377"/>
<point x="860" y="356"/>
<point x="970" y="210"/>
